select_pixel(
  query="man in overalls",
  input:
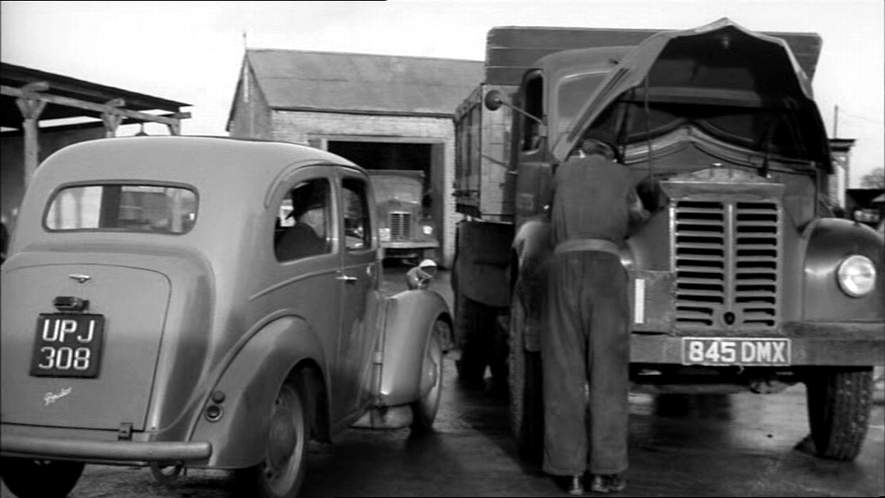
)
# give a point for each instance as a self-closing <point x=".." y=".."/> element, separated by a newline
<point x="588" y="338"/>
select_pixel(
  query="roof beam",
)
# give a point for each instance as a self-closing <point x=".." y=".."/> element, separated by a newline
<point x="174" y="120"/>
<point x="73" y="126"/>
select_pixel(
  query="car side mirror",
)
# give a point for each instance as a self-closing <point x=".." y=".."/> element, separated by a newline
<point x="420" y="276"/>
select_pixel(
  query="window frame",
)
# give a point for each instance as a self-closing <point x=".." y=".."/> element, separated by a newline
<point x="284" y="192"/>
<point x="130" y="182"/>
<point x="532" y="86"/>
<point x="370" y="237"/>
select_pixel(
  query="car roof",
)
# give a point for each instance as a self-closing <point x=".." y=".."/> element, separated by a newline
<point x="185" y="159"/>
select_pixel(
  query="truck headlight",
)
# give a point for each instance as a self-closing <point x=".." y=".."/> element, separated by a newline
<point x="856" y="275"/>
<point x="384" y="234"/>
<point x="427" y="229"/>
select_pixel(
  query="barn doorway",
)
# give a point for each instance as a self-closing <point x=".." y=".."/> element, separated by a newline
<point x="426" y="157"/>
<point x="385" y="155"/>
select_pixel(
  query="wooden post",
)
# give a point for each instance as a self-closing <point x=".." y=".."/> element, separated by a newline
<point x="112" y="119"/>
<point x="111" y="122"/>
<point x="31" y="107"/>
<point x="174" y="128"/>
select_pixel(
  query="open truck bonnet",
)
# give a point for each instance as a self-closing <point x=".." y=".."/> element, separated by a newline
<point x="760" y="96"/>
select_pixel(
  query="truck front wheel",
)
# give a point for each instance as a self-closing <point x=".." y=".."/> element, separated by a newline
<point x="526" y="402"/>
<point x="839" y="402"/>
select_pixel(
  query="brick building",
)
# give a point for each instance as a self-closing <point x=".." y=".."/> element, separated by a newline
<point x="840" y="152"/>
<point x="382" y="112"/>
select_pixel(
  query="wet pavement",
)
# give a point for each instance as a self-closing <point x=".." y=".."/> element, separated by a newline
<point x="700" y="445"/>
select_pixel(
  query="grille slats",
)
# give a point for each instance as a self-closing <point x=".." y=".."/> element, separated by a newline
<point x="718" y="272"/>
<point x="400" y="225"/>
<point x="700" y="280"/>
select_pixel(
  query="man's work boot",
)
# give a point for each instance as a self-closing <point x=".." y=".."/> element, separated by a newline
<point x="611" y="483"/>
<point x="576" y="485"/>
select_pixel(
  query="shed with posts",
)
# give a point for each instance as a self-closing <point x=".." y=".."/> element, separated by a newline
<point x="41" y="112"/>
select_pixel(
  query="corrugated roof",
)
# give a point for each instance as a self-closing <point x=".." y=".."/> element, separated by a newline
<point x="345" y="82"/>
<point x="65" y="86"/>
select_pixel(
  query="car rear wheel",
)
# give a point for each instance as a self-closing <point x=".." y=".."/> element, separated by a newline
<point x="40" y="478"/>
<point x="281" y="473"/>
<point x="424" y="409"/>
<point x="839" y="403"/>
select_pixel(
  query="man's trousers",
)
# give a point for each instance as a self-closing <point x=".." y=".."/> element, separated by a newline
<point x="587" y="342"/>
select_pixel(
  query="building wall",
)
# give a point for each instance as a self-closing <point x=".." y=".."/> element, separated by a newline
<point x="839" y="179"/>
<point x="12" y="159"/>
<point x="251" y="114"/>
<point x="316" y="128"/>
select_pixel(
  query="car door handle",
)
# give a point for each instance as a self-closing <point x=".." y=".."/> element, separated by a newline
<point x="346" y="278"/>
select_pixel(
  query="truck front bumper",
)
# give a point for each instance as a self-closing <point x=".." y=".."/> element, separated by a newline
<point x="28" y="442"/>
<point x="429" y="244"/>
<point x="811" y="343"/>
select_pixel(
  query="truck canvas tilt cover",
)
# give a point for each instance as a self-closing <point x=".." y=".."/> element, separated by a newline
<point x="741" y="278"/>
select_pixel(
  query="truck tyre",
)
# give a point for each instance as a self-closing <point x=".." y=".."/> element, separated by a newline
<point x="424" y="409"/>
<point x="40" y="478"/>
<point x="839" y="403"/>
<point x="526" y="402"/>
<point x="281" y="472"/>
<point x="475" y="323"/>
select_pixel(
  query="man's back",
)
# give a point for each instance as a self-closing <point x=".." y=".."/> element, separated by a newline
<point x="591" y="199"/>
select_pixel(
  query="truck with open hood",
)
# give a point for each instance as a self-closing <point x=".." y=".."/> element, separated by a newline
<point x="740" y="279"/>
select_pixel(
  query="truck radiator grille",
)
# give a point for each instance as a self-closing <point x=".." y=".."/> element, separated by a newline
<point x="727" y="262"/>
<point x="400" y="225"/>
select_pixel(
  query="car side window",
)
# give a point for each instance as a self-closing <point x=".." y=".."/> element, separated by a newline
<point x="357" y="231"/>
<point x="302" y="224"/>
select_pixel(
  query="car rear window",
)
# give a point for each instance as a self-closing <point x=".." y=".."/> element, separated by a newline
<point x="123" y="207"/>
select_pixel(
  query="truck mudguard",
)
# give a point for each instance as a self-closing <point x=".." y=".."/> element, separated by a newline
<point x="830" y="241"/>
<point x="483" y="258"/>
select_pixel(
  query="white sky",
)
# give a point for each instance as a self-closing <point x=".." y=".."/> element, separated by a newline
<point x="191" y="51"/>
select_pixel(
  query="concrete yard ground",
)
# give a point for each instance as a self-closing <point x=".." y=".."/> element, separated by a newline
<point x="710" y="445"/>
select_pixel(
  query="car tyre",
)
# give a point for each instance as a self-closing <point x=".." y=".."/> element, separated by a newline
<point x="281" y="472"/>
<point x="424" y="409"/>
<point x="839" y="403"/>
<point x="40" y="478"/>
<point x="526" y="401"/>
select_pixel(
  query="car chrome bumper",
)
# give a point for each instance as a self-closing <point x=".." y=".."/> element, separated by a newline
<point x="812" y="343"/>
<point x="86" y="449"/>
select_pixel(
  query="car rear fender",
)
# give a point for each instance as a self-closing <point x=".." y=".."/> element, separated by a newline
<point x="250" y="385"/>
<point x="828" y="242"/>
<point x="408" y="322"/>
